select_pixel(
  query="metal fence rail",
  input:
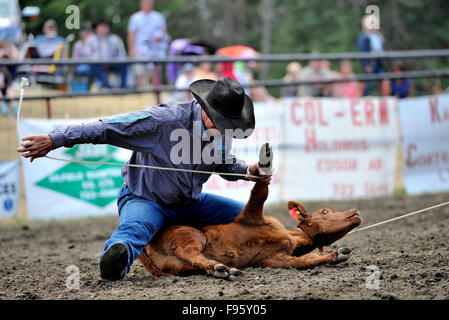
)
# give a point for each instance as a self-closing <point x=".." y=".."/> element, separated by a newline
<point x="264" y="83"/>
<point x="409" y="54"/>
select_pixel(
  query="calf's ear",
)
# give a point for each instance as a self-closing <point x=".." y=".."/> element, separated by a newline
<point x="297" y="210"/>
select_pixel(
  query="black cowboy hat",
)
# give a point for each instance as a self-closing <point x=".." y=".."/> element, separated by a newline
<point x="226" y="104"/>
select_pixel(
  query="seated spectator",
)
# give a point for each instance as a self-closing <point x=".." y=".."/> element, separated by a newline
<point x="293" y="74"/>
<point x="80" y="50"/>
<point x="183" y="81"/>
<point x="350" y="89"/>
<point x="312" y="72"/>
<point x="327" y="73"/>
<point x="401" y="88"/>
<point x="204" y="70"/>
<point x="104" y="45"/>
<point x="48" y="43"/>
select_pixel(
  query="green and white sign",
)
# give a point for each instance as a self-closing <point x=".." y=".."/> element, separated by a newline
<point x="56" y="189"/>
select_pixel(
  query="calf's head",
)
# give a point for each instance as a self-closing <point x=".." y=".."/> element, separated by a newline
<point x="324" y="226"/>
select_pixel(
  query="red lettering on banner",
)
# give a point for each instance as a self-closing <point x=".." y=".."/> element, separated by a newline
<point x="264" y="134"/>
<point x="323" y="122"/>
<point x="354" y="112"/>
<point x="309" y="112"/>
<point x="434" y="114"/>
<point x="311" y="143"/>
<point x="343" y="190"/>
<point x="336" y="165"/>
<point x="315" y="145"/>
<point x="295" y="105"/>
<point x="213" y="184"/>
<point x="367" y="118"/>
<point x="375" y="188"/>
<point x="383" y="112"/>
<point x="313" y="113"/>
<point x="369" y="113"/>
<point x="433" y="159"/>
<point x="375" y="164"/>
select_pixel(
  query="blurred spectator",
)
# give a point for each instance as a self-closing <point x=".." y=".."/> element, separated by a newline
<point x="104" y="45"/>
<point x="204" y="70"/>
<point x="311" y="72"/>
<point x="227" y="70"/>
<point x="350" y="89"/>
<point x="436" y="88"/>
<point x="401" y="88"/>
<point x="186" y="77"/>
<point x="328" y="90"/>
<point x="48" y="43"/>
<point x="293" y="74"/>
<point x="7" y="74"/>
<point x="81" y="51"/>
<point x="370" y="40"/>
<point x="244" y="72"/>
<point x="147" y="38"/>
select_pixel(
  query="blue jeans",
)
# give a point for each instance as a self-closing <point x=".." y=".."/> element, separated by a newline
<point x="100" y="74"/>
<point x="140" y="218"/>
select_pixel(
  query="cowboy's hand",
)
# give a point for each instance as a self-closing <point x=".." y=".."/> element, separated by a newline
<point x="255" y="170"/>
<point x="35" y="146"/>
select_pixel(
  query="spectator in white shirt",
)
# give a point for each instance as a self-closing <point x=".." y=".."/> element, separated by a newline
<point x="147" y="39"/>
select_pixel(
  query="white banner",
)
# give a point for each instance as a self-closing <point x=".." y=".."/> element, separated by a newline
<point x="56" y="189"/>
<point x="339" y="148"/>
<point x="425" y="127"/>
<point x="9" y="187"/>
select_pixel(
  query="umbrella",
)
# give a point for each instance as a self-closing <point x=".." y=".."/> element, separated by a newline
<point x="237" y="52"/>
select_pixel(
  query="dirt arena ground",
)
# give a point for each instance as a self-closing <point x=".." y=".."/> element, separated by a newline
<point x="411" y="254"/>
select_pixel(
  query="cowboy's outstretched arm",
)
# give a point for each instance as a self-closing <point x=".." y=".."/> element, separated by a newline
<point x="129" y="131"/>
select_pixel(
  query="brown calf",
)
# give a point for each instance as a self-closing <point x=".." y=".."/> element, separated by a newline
<point x="251" y="240"/>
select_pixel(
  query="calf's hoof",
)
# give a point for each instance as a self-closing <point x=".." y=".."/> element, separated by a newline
<point x="340" y="255"/>
<point x="223" y="272"/>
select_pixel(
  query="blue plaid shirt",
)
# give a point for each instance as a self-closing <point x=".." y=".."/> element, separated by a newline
<point x="147" y="133"/>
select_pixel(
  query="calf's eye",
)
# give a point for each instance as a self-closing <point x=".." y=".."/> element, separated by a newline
<point x="324" y="211"/>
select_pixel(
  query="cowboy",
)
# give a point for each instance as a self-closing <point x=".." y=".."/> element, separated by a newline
<point x="151" y="199"/>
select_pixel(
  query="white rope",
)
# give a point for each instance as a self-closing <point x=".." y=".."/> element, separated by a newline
<point x="25" y="83"/>
<point x="399" y="217"/>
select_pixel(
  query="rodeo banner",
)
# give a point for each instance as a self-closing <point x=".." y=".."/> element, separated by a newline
<point x="339" y="148"/>
<point x="56" y="189"/>
<point x="425" y="126"/>
<point x="9" y="187"/>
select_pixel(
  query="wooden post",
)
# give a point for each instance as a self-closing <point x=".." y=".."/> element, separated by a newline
<point x="48" y="108"/>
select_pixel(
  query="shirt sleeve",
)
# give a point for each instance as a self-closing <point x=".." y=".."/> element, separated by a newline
<point x="136" y="131"/>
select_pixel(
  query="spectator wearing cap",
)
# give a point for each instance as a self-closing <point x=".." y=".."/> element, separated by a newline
<point x="147" y="39"/>
<point x="48" y="43"/>
<point x="104" y="45"/>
